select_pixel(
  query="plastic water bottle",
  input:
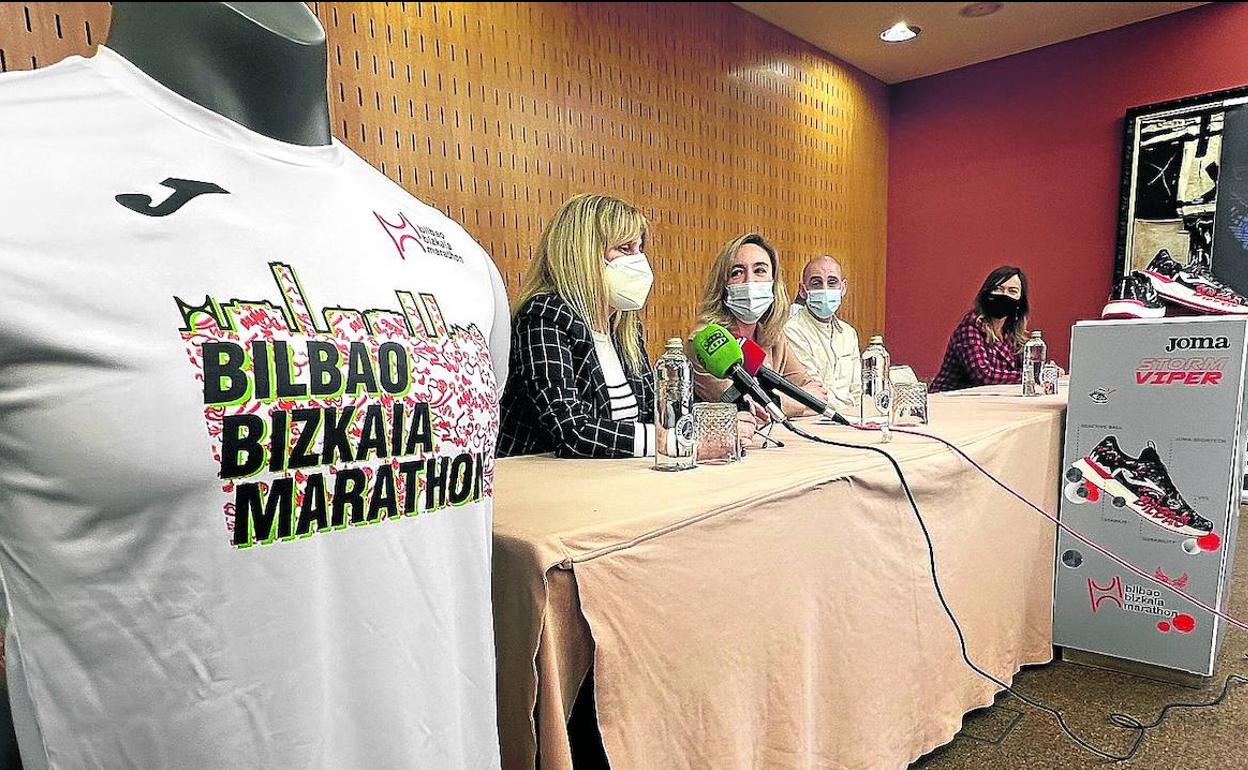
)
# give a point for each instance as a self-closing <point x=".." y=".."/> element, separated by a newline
<point x="673" y="410"/>
<point x="1035" y="353"/>
<point x="877" y="387"/>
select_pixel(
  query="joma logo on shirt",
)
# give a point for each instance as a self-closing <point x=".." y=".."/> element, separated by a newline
<point x="184" y="191"/>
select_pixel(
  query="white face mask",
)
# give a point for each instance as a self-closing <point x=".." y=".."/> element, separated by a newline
<point x="749" y="301"/>
<point x="629" y="280"/>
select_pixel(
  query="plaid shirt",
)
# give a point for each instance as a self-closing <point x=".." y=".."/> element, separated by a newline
<point x="556" y="397"/>
<point x="972" y="359"/>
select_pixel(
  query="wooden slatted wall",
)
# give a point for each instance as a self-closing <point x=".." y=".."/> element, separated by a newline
<point x="711" y="120"/>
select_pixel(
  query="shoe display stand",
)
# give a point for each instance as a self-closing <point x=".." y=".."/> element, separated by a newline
<point x="1153" y="470"/>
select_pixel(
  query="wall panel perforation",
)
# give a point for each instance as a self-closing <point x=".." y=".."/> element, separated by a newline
<point x="711" y="120"/>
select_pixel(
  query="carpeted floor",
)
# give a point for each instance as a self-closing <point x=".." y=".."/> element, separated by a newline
<point x="1013" y="736"/>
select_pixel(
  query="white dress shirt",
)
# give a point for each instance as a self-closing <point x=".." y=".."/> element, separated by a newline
<point x="829" y="351"/>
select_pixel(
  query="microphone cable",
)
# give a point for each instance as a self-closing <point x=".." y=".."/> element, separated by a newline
<point x="1069" y="529"/>
<point x="1119" y="720"/>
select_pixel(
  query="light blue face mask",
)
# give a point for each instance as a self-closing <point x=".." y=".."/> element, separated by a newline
<point x="749" y="301"/>
<point x="823" y="303"/>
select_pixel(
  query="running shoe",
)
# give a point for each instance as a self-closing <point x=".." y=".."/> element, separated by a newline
<point x="1142" y="484"/>
<point x="1193" y="286"/>
<point x="1136" y="298"/>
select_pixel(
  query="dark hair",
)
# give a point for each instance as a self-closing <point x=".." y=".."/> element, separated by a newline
<point x="1015" y="329"/>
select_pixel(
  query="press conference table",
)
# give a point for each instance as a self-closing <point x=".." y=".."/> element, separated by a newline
<point x="778" y="612"/>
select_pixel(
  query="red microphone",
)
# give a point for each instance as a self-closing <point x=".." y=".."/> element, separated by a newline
<point x="771" y="381"/>
<point x="753" y="354"/>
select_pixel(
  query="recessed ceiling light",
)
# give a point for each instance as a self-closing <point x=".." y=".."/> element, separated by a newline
<point x="975" y="10"/>
<point x="900" y="33"/>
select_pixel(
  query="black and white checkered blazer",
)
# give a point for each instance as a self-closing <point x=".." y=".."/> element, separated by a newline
<point x="556" y="397"/>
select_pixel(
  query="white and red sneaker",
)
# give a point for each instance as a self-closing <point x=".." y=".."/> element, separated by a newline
<point x="1136" y="298"/>
<point x="1193" y="286"/>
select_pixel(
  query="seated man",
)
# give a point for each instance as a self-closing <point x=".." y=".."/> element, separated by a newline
<point x="823" y="343"/>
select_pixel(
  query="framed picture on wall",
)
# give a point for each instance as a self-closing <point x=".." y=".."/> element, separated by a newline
<point x="1185" y="186"/>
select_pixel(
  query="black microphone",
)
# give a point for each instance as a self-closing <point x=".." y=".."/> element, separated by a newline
<point x="733" y="396"/>
<point x="770" y="380"/>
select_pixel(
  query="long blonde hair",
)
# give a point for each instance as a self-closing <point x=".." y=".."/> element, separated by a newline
<point x="570" y="261"/>
<point x="711" y="307"/>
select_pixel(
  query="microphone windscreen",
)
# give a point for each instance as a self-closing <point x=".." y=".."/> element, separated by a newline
<point x="753" y="356"/>
<point x="716" y="350"/>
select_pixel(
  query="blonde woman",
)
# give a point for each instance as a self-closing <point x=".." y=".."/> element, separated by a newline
<point x="986" y="348"/>
<point x="745" y="293"/>
<point x="579" y="382"/>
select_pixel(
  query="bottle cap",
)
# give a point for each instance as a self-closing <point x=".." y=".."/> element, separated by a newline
<point x="876" y="340"/>
<point x="1035" y="335"/>
<point x="675" y="343"/>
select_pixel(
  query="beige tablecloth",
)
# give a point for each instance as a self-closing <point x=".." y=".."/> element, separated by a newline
<point x="779" y="612"/>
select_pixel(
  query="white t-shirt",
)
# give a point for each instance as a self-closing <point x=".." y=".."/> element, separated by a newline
<point x="623" y="400"/>
<point x="247" y="429"/>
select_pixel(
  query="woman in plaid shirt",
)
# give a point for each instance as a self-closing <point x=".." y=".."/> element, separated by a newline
<point x="986" y="348"/>
<point x="579" y="383"/>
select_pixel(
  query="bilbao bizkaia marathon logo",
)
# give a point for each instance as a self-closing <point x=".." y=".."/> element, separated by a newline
<point x="356" y="418"/>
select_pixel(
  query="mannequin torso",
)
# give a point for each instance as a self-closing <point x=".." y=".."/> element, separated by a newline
<point x="262" y="65"/>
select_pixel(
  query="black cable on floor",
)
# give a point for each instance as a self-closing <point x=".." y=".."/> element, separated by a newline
<point x="1119" y="720"/>
<point x="1128" y="721"/>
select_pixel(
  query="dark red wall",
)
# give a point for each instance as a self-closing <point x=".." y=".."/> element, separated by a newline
<point x="1018" y="161"/>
